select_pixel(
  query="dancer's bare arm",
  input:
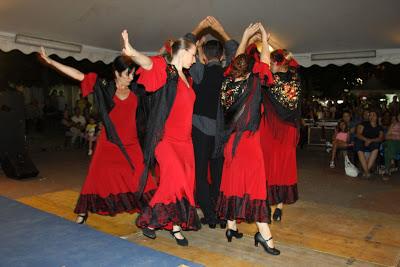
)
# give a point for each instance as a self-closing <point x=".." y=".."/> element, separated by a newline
<point x="248" y="33"/>
<point x="69" y="71"/>
<point x="265" y="54"/>
<point x="127" y="50"/>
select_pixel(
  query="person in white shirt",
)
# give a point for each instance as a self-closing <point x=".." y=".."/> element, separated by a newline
<point x="78" y="125"/>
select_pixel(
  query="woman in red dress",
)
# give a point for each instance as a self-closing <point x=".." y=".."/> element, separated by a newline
<point x="169" y="139"/>
<point x="112" y="183"/>
<point x="279" y="131"/>
<point x="243" y="194"/>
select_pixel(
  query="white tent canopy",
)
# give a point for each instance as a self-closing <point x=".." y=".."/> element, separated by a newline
<point x="318" y="32"/>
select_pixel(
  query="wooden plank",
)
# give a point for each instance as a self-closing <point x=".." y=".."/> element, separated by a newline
<point x="209" y="247"/>
<point x="62" y="203"/>
<point x="351" y="234"/>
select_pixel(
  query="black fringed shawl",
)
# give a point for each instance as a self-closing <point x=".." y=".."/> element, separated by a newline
<point x="283" y="96"/>
<point x="154" y="111"/>
<point x="104" y="92"/>
<point x="243" y="115"/>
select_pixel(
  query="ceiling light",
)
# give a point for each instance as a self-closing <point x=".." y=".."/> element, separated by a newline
<point x="35" y="41"/>
<point x="343" y="55"/>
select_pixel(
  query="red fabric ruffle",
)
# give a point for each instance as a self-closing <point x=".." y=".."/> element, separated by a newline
<point x="112" y="204"/>
<point x="242" y="209"/>
<point x="154" y="78"/>
<point x="264" y="73"/>
<point x="286" y="194"/>
<point x="88" y="83"/>
<point x="164" y="216"/>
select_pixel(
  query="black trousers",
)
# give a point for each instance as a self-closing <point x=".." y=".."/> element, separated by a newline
<point x="206" y="194"/>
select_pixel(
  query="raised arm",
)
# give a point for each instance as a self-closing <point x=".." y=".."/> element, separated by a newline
<point x="69" y="71"/>
<point x="200" y="50"/>
<point x="204" y="24"/>
<point x="248" y="32"/>
<point x="265" y="54"/>
<point x="217" y="27"/>
<point x="230" y="45"/>
<point x="142" y="60"/>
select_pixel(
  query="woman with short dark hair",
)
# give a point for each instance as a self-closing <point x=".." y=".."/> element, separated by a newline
<point x="112" y="183"/>
<point x="369" y="136"/>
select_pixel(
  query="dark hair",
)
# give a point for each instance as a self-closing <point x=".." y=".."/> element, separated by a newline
<point x="240" y="66"/>
<point x="374" y="111"/>
<point x="122" y="63"/>
<point x="348" y="112"/>
<point x="284" y="58"/>
<point x="181" y="43"/>
<point x="346" y="129"/>
<point x="213" y="49"/>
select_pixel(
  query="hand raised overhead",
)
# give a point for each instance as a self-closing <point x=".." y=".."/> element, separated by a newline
<point x="127" y="49"/>
<point x="44" y="56"/>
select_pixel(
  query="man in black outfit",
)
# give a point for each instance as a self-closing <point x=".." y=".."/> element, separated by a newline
<point x="208" y="75"/>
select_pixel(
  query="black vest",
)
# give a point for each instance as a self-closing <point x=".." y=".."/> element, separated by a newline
<point x="208" y="91"/>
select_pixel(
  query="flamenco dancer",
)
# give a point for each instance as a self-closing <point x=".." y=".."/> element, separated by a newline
<point x="112" y="183"/>
<point x="243" y="194"/>
<point x="169" y="139"/>
<point x="279" y="131"/>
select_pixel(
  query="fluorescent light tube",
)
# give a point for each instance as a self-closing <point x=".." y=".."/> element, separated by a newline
<point x="343" y="55"/>
<point x="30" y="40"/>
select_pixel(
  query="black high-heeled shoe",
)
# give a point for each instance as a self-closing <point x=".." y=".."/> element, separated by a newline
<point x="82" y="218"/>
<point x="259" y="239"/>
<point x="181" y="242"/>
<point x="231" y="233"/>
<point x="277" y="215"/>
<point x="150" y="233"/>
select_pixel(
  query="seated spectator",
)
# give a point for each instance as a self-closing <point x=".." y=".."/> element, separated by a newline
<point x="78" y="125"/>
<point x="91" y="134"/>
<point x="392" y="144"/>
<point x="340" y="140"/>
<point x="369" y="136"/>
<point x="351" y="124"/>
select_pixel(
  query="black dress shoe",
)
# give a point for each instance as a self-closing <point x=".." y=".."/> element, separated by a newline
<point x="181" y="242"/>
<point x="211" y="224"/>
<point x="150" y="233"/>
<point x="231" y="233"/>
<point x="222" y="224"/>
<point x="259" y="239"/>
<point x="277" y="215"/>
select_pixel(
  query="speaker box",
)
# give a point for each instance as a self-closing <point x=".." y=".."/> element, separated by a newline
<point x="19" y="166"/>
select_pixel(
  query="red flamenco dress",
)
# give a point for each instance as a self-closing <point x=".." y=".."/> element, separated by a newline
<point x="111" y="184"/>
<point x="173" y="202"/>
<point x="280" y="136"/>
<point x="243" y="187"/>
